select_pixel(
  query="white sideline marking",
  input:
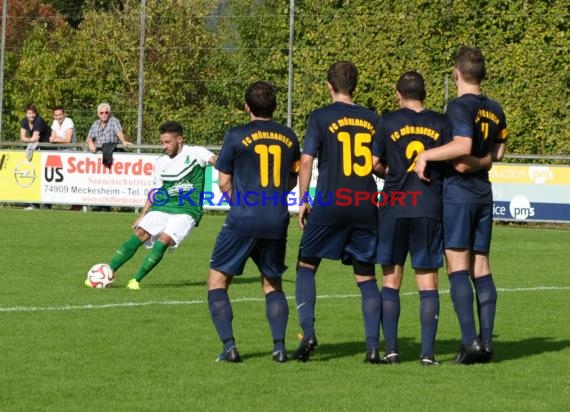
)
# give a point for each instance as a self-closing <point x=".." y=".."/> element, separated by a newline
<point x="236" y="300"/>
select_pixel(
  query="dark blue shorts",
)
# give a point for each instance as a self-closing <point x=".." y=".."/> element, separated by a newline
<point x="421" y="237"/>
<point x="338" y="242"/>
<point x="467" y="226"/>
<point x="231" y="253"/>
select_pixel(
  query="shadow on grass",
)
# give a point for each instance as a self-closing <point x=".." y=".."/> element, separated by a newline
<point x="445" y="350"/>
<point x="186" y="283"/>
<point x="504" y="350"/>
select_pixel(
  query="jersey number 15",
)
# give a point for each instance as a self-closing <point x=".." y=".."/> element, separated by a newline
<point x="361" y="150"/>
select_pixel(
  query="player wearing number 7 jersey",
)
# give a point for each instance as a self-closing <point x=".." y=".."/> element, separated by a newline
<point x="258" y="166"/>
<point x="479" y="137"/>
<point x="413" y="227"/>
<point x="340" y="136"/>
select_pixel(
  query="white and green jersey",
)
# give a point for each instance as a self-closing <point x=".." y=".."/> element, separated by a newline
<point x="182" y="177"/>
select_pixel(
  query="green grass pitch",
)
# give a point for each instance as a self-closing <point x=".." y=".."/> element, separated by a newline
<point x="65" y="347"/>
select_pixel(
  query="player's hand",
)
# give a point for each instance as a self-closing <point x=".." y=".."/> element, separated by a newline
<point x="420" y="167"/>
<point x="304" y="212"/>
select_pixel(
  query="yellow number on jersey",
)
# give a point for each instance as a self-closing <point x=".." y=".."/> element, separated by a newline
<point x="360" y="150"/>
<point x="485" y="130"/>
<point x="413" y="149"/>
<point x="264" y="151"/>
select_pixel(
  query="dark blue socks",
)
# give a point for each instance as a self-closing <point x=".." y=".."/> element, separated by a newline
<point x="222" y="315"/>
<point x="462" y="297"/>
<point x="371" y="308"/>
<point x="390" y="317"/>
<point x="277" y="313"/>
<point x="429" y="318"/>
<point x="486" y="305"/>
<point x="306" y="296"/>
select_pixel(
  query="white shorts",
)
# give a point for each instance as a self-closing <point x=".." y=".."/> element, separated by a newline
<point x="177" y="226"/>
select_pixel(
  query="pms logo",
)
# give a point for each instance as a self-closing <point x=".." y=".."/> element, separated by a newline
<point x="540" y="174"/>
<point x="520" y="208"/>
<point x="53" y="168"/>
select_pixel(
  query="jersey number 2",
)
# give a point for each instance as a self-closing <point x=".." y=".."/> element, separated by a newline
<point x="413" y="149"/>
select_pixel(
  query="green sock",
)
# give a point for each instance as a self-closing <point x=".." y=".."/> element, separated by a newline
<point x="125" y="252"/>
<point x="151" y="260"/>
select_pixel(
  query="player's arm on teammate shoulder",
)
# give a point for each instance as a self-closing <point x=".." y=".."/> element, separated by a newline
<point x="225" y="183"/>
<point x="305" y="174"/>
<point x="467" y="164"/>
<point x="460" y="146"/>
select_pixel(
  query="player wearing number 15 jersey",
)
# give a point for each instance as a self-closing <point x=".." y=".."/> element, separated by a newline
<point x="479" y="137"/>
<point x="258" y="166"/>
<point x="407" y="225"/>
<point x="340" y="137"/>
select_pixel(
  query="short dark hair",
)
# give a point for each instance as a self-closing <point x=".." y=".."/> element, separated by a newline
<point x="411" y="85"/>
<point x="343" y="76"/>
<point x="261" y="98"/>
<point x="471" y="64"/>
<point x="58" y="107"/>
<point x="32" y="108"/>
<point x="171" y="127"/>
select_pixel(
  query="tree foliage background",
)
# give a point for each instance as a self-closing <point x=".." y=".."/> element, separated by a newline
<point x="199" y="55"/>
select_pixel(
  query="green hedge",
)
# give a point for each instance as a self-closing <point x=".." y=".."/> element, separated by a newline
<point x="200" y="55"/>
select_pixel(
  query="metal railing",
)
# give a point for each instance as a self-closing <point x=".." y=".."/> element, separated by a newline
<point x="216" y="148"/>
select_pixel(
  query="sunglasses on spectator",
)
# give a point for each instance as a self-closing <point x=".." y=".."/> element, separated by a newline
<point x="103" y="112"/>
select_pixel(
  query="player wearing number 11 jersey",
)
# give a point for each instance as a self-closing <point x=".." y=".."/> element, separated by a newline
<point x="258" y="166"/>
<point x="340" y="137"/>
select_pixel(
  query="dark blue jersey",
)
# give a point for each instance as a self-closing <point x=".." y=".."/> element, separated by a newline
<point x="402" y="135"/>
<point x="260" y="156"/>
<point x="340" y="137"/>
<point x="483" y="120"/>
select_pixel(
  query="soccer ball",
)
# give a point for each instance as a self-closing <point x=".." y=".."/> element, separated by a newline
<point x="100" y="276"/>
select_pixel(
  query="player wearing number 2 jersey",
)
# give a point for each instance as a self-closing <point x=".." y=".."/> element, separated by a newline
<point x="479" y="137"/>
<point x="340" y="136"/>
<point x="258" y="165"/>
<point x="409" y="226"/>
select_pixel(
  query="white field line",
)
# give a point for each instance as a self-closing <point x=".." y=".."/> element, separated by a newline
<point x="19" y="309"/>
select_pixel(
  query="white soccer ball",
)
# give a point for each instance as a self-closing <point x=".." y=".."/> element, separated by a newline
<point x="100" y="276"/>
